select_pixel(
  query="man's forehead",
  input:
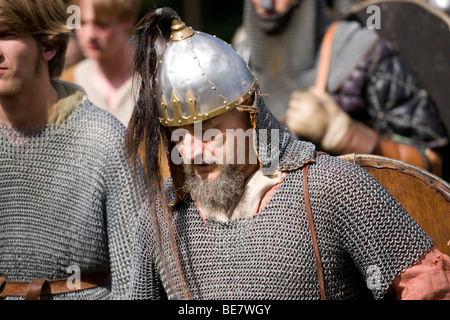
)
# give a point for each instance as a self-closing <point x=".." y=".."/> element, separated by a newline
<point x="5" y="28"/>
<point x="212" y="123"/>
<point x="100" y="18"/>
<point x="207" y="124"/>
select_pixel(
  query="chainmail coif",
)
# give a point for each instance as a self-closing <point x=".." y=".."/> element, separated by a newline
<point x="364" y="235"/>
<point x="67" y="199"/>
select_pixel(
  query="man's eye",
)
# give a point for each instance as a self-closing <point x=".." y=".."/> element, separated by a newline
<point x="6" y="35"/>
<point x="102" y="25"/>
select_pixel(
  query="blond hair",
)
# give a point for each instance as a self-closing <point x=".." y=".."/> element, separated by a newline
<point x="123" y="10"/>
<point x="45" y="20"/>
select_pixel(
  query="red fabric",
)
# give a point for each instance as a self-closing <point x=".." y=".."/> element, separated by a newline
<point x="427" y="280"/>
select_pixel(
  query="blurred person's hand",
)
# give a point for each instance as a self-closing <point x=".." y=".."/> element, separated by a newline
<point x="314" y="116"/>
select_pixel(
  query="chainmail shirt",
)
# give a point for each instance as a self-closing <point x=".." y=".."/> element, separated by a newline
<point x="365" y="237"/>
<point x="67" y="198"/>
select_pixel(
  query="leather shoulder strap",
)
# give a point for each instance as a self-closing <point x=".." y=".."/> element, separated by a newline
<point x="325" y="57"/>
<point x="313" y="232"/>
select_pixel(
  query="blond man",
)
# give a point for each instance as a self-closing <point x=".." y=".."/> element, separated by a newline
<point x="104" y="39"/>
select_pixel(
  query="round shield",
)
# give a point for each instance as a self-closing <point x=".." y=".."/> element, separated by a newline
<point x="424" y="196"/>
<point x="421" y="33"/>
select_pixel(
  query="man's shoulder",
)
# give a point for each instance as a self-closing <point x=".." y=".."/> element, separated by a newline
<point x="90" y="120"/>
<point x="332" y="170"/>
<point x="103" y="118"/>
<point x="75" y="106"/>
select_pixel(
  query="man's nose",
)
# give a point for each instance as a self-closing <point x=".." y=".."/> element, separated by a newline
<point x="191" y="147"/>
<point x="89" y="30"/>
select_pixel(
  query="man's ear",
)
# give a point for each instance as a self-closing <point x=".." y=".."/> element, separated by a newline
<point x="48" y="53"/>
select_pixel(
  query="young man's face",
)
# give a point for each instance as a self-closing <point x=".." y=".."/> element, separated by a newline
<point x="101" y="36"/>
<point x="226" y="139"/>
<point x="20" y="61"/>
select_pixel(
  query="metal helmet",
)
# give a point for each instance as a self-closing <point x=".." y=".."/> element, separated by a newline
<point x="199" y="77"/>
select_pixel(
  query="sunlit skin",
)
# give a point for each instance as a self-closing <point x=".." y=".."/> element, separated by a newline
<point x="192" y="146"/>
<point x="279" y="7"/>
<point x="26" y="94"/>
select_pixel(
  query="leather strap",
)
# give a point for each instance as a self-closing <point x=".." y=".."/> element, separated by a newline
<point x="40" y="289"/>
<point x="313" y="232"/>
<point x="325" y="58"/>
<point x="2" y="283"/>
<point x="321" y="85"/>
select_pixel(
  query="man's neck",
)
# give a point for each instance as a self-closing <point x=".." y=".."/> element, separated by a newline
<point x="117" y="70"/>
<point x="249" y="170"/>
<point x="30" y="107"/>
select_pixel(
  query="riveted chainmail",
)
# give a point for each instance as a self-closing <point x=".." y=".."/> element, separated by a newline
<point x="360" y="227"/>
<point x="67" y="199"/>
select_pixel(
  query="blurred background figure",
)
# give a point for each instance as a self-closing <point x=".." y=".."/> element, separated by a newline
<point x="370" y="101"/>
<point x="341" y="8"/>
<point x="73" y="52"/>
<point x="104" y="39"/>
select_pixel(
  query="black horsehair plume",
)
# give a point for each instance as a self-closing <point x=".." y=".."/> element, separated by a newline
<point x="144" y="138"/>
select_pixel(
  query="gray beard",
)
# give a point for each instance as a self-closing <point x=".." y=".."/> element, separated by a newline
<point x="224" y="193"/>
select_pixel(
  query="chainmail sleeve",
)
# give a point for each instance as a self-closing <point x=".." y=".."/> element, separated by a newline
<point x="377" y="234"/>
<point x="145" y="282"/>
<point x="121" y="213"/>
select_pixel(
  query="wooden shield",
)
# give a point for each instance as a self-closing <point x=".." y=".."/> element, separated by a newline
<point x="421" y="33"/>
<point x="424" y="196"/>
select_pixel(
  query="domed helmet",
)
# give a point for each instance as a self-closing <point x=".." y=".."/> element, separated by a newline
<point x="199" y="77"/>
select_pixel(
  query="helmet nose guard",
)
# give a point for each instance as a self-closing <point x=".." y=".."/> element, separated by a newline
<point x="199" y="77"/>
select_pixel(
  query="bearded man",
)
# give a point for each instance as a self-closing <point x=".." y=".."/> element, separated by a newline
<point x="249" y="212"/>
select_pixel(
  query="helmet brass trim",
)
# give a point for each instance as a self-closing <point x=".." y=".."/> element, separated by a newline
<point x="180" y="31"/>
<point x="181" y="120"/>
